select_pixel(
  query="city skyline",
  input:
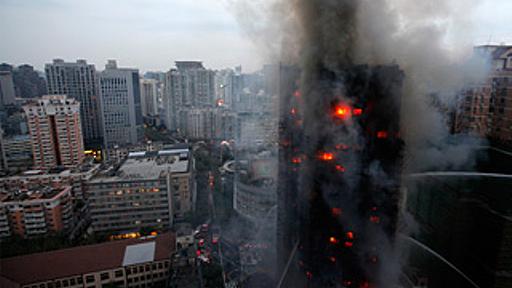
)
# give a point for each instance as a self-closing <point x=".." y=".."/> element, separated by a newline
<point x="151" y="36"/>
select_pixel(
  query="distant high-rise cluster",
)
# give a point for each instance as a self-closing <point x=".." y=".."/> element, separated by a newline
<point x="188" y="86"/>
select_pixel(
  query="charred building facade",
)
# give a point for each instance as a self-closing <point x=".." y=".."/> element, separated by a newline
<point x="339" y="174"/>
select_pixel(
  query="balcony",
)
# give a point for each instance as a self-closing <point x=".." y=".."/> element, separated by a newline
<point x="34" y="214"/>
<point x="4" y="229"/>
<point x="35" y="225"/>
<point x="34" y="220"/>
<point x="36" y="231"/>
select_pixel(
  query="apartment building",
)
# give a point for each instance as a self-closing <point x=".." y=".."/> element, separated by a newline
<point x="36" y="212"/>
<point x="485" y="108"/>
<point x="55" y="131"/>
<point x="32" y="179"/>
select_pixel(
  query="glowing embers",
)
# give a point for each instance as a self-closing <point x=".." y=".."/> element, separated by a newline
<point x="326" y="156"/>
<point x="375" y="219"/>
<point x="333" y="240"/>
<point x="342" y="147"/>
<point x="340" y="168"/>
<point x="296" y="160"/>
<point x="349" y="242"/>
<point x="332" y="259"/>
<point x="357" y="112"/>
<point x="336" y="212"/>
<point x="382" y="134"/>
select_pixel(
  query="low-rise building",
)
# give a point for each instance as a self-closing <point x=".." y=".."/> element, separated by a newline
<point x="32" y="213"/>
<point x="149" y="189"/>
<point x="143" y="262"/>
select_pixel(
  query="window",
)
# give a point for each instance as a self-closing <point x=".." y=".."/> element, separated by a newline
<point x="119" y="273"/>
<point x="104" y="276"/>
<point x="89" y="278"/>
<point x="65" y="283"/>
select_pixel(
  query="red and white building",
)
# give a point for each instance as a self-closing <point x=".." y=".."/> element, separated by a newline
<point x="33" y="213"/>
<point x="55" y="131"/>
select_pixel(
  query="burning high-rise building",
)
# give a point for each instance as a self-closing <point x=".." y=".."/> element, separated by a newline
<point x="340" y="160"/>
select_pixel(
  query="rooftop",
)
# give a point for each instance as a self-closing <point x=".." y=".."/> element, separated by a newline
<point x="86" y="259"/>
<point x="147" y="165"/>
<point x="41" y="193"/>
<point x="86" y="167"/>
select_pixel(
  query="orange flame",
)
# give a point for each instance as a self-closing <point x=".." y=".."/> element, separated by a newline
<point x="326" y="156"/>
<point x="342" y="111"/>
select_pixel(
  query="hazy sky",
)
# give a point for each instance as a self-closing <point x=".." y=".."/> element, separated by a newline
<point x="152" y="34"/>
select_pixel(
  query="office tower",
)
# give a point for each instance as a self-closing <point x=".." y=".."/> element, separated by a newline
<point x="55" y="131"/>
<point x="120" y="106"/>
<point x="336" y="215"/>
<point x="149" y="92"/>
<point x="190" y="85"/>
<point x="7" y="92"/>
<point x="79" y="81"/>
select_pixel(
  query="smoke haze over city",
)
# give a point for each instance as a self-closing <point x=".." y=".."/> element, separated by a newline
<point x="264" y="143"/>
